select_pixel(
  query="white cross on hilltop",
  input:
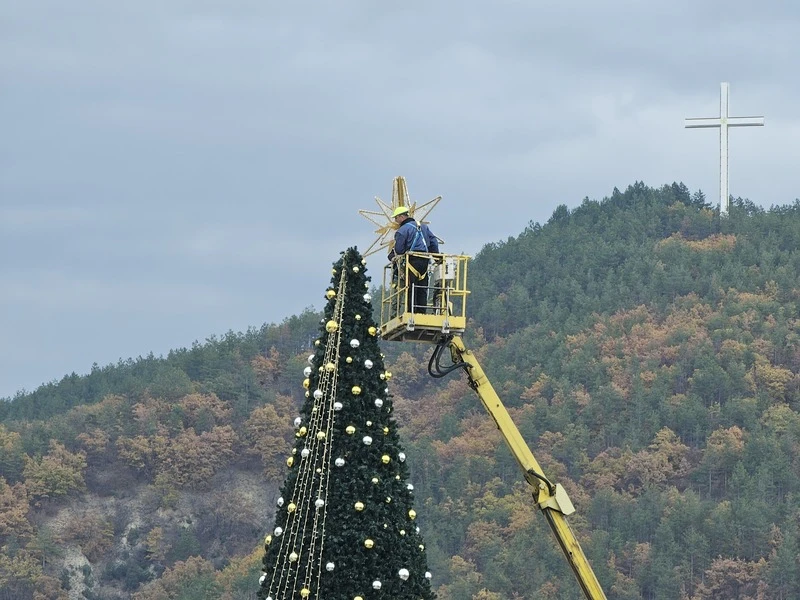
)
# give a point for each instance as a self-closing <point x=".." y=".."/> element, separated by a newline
<point x="723" y="122"/>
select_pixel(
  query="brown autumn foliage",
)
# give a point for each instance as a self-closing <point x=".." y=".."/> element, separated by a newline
<point x="195" y="574"/>
<point x="268" y="368"/>
<point x="478" y="437"/>
<point x="95" y="443"/>
<point x="733" y="578"/>
<point x="93" y="533"/>
<point x="13" y="511"/>
<point x="191" y="460"/>
<point x="202" y="411"/>
<point x="268" y="435"/>
<point x="664" y="462"/>
<point x="141" y="452"/>
<point x="57" y="474"/>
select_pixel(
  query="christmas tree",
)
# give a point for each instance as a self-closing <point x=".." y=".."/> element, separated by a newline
<point x="345" y="527"/>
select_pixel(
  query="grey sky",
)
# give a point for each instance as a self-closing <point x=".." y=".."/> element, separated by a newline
<point x="175" y="169"/>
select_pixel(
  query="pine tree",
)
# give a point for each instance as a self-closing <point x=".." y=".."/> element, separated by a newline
<point x="345" y="526"/>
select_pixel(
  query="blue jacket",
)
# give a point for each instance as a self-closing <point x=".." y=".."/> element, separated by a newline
<point x="414" y="238"/>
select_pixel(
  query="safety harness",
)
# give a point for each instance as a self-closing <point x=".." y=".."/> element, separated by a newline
<point x="418" y="236"/>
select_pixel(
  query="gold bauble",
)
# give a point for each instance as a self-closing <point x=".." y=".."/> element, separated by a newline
<point x="356" y="390"/>
<point x="350" y="430"/>
<point x="305" y="593"/>
<point x="330" y="367"/>
<point x="330" y="294"/>
<point x="291" y="507"/>
<point x="316" y="342"/>
<point x="320" y="435"/>
<point x="302" y="431"/>
<point x="268" y="540"/>
<point x="293" y="557"/>
<point x="402" y="532"/>
<point x="412" y="514"/>
<point x="306" y="382"/>
<point x="348" y="360"/>
<point x="385" y="459"/>
<point x="372" y="331"/>
<point x="331" y="326"/>
<point x="368" y="543"/>
<point x="359" y="506"/>
<point x="388" y="375"/>
<point x="290" y="461"/>
<point x="385" y="431"/>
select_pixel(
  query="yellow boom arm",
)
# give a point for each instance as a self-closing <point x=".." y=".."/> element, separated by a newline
<point x="551" y="498"/>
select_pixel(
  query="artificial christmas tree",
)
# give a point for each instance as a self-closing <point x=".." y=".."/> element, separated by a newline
<point x="345" y="526"/>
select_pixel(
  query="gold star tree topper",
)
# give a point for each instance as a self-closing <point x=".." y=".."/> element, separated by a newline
<point x="383" y="217"/>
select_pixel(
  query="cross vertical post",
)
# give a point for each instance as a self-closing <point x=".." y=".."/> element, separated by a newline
<point x="723" y="122"/>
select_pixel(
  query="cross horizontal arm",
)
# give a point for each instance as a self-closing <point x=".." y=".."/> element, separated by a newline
<point x="745" y="121"/>
<point x="702" y="122"/>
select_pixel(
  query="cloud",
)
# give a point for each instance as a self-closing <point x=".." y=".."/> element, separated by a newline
<point x="170" y="170"/>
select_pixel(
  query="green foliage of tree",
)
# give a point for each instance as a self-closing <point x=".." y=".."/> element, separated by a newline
<point x="346" y="491"/>
<point x="192" y="579"/>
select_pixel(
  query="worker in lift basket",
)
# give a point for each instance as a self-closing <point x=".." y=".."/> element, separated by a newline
<point x="413" y="237"/>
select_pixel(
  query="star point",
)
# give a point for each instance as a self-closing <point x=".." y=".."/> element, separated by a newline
<point x="383" y="217"/>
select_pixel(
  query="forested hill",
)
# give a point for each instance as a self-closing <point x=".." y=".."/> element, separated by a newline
<point x="643" y="246"/>
<point x="648" y="349"/>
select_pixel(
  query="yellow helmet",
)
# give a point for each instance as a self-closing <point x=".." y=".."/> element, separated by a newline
<point x="400" y="210"/>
